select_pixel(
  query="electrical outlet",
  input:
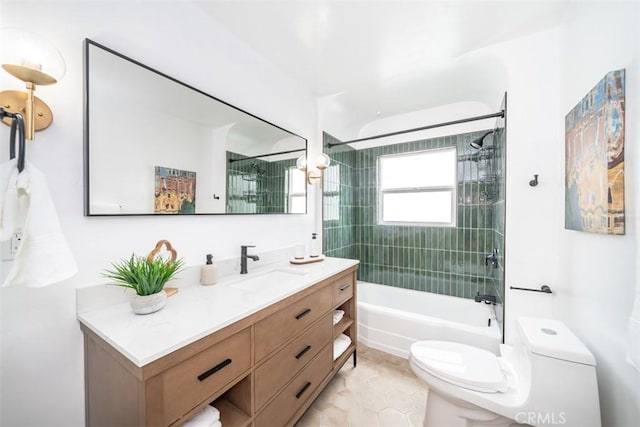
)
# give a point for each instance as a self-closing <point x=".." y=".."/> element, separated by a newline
<point x="16" y="242"/>
<point x="10" y="247"/>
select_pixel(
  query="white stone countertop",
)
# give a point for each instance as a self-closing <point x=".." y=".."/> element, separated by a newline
<point x="195" y="311"/>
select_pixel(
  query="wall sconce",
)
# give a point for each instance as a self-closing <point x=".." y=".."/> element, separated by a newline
<point x="322" y="162"/>
<point x="36" y="62"/>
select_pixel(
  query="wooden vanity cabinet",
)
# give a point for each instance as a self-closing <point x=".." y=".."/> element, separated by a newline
<point x="264" y="370"/>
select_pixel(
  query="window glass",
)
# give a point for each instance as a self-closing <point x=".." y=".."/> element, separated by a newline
<point x="418" y="188"/>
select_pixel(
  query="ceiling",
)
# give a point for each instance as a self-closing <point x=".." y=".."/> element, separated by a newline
<point x="336" y="46"/>
<point x="370" y="60"/>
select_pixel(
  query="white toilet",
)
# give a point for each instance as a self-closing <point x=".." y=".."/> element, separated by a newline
<point x="548" y="379"/>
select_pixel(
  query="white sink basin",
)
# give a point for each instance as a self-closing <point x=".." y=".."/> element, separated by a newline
<point x="280" y="279"/>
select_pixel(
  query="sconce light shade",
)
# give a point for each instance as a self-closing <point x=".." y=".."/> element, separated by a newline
<point x="35" y="61"/>
<point x="301" y="163"/>
<point x="31" y="58"/>
<point x="322" y="162"/>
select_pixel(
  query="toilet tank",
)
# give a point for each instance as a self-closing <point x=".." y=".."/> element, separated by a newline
<point x="552" y="338"/>
<point x="564" y="387"/>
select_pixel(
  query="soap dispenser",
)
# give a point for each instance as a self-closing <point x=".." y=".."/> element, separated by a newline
<point x="314" y="249"/>
<point x="209" y="272"/>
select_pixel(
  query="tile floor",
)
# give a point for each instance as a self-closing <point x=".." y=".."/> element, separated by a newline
<point x="381" y="391"/>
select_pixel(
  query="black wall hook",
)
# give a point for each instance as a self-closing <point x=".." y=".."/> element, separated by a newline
<point x="17" y="123"/>
<point x="534" y="181"/>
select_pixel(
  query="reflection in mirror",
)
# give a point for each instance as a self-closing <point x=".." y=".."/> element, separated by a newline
<point x="154" y="145"/>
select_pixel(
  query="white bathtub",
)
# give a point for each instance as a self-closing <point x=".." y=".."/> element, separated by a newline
<point x="391" y="319"/>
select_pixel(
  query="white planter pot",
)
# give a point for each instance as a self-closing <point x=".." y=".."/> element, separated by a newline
<point x="148" y="303"/>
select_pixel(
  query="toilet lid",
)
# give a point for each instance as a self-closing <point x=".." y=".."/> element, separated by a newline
<point x="460" y="364"/>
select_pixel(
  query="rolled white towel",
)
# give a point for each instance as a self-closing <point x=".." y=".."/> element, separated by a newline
<point x="204" y="418"/>
<point x="340" y="344"/>
<point x="216" y="424"/>
<point x="337" y="316"/>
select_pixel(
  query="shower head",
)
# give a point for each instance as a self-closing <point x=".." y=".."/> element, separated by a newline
<point x="479" y="142"/>
<point x="258" y="169"/>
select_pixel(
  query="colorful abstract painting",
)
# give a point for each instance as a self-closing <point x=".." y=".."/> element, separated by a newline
<point x="594" y="138"/>
<point x="175" y="191"/>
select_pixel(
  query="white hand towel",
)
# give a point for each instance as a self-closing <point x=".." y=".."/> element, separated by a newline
<point x="337" y="316"/>
<point x="205" y="418"/>
<point x="44" y="257"/>
<point x="340" y="345"/>
<point x="216" y="424"/>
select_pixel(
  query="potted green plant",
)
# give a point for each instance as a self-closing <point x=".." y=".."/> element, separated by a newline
<point x="147" y="277"/>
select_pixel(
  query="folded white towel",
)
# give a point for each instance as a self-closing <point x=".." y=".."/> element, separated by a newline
<point x="44" y="257"/>
<point x="340" y="345"/>
<point x="205" y="418"/>
<point x="214" y="411"/>
<point x="216" y="424"/>
<point x="337" y="316"/>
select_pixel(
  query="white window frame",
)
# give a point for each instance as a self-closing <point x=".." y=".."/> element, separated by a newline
<point x="291" y="194"/>
<point x="334" y="194"/>
<point x="427" y="189"/>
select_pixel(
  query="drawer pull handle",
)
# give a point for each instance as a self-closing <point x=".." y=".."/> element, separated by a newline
<point x="302" y="390"/>
<point x="215" y="369"/>
<point x="345" y="287"/>
<point x="304" y="350"/>
<point x="304" y="313"/>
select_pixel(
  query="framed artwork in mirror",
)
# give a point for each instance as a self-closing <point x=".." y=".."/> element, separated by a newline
<point x="175" y="191"/>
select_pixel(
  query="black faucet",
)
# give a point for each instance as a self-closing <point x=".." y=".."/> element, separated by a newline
<point x="244" y="256"/>
<point x="493" y="258"/>
<point x="487" y="299"/>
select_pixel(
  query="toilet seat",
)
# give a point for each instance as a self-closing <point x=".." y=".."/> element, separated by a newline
<point x="459" y="364"/>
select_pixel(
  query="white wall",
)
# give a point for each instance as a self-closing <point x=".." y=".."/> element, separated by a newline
<point x="41" y="345"/>
<point x="126" y="151"/>
<point x="600" y="270"/>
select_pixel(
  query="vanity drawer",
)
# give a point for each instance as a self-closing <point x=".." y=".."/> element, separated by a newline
<point x="286" y="363"/>
<point x="281" y="326"/>
<point x="294" y="395"/>
<point x="197" y="378"/>
<point x="343" y="289"/>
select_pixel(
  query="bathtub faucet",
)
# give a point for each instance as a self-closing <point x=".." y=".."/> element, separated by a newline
<point x="487" y="299"/>
<point x="492" y="258"/>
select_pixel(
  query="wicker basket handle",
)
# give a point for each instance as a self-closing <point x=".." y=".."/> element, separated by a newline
<point x="159" y="245"/>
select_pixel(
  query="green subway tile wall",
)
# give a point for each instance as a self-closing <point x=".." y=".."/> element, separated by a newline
<point x="257" y="186"/>
<point x="339" y="203"/>
<point x="442" y="260"/>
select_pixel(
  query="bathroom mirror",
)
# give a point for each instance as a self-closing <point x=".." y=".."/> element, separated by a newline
<point x="157" y="146"/>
